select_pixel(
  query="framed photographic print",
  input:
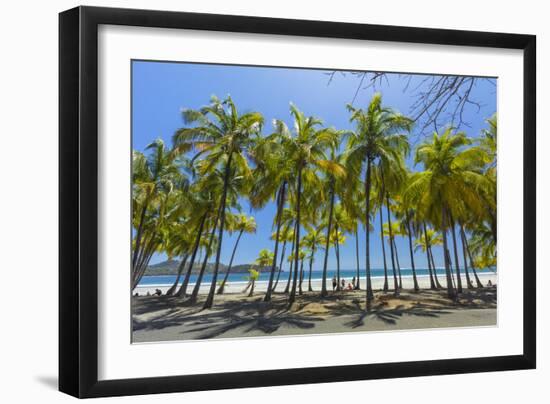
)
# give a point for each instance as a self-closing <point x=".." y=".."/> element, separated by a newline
<point x="251" y="201"/>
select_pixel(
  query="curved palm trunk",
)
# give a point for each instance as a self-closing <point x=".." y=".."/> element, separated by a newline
<point x="300" y="291"/>
<point x="383" y="250"/>
<point x="210" y="298"/>
<point x="139" y="232"/>
<point x="195" y="293"/>
<point x="465" y="243"/>
<point x="224" y="282"/>
<point x="290" y="269"/>
<point x="183" y="289"/>
<point x="395" y="283"/>
<point x="252" y="284"/>
<point x="450" y="290"/>
<point x="309" y="288"/>
<point x="144" y="261"/>
<point x="457" y="263"/>
<point x="281" y="201"/>
<point x="469" y="283"/>
<point x="287" y="288"/>
<point x="451" y="266"/>
<point x="415" y="281"/>
<point x="292" y="295"/>
<point x="370" y="295"/>
<point x="139" y="268"/>
<point x="432" y="282"/>
<point x="439" y="285"/>
<point x="172" y="289"/>
<point x="327" y="243"/>
<point x="337" y="253"/>
<point x="281" y="261"/>
<point x="398" y="264"/>
<point x="357" y="285"/>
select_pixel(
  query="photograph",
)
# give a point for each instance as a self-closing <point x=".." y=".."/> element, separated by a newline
<point x="271" y="201"/>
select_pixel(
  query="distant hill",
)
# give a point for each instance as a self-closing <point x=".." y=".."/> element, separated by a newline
<point x="170" y="267"/>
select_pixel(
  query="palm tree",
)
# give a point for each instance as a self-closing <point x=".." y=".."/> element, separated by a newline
<point x="242" y="224"/>
<point x="223" y="135"/>
<point x="375" y="138"/>
<point x="312" y="241"/>
<point x="154" y="178"/>
<point x="265" y="257"/>
<point x="452" y="173"/>
<point x="336" y="178"/>
<point x="306" y="148"/>
<point x="253" y="276"/>
<point x="273" y="172"/>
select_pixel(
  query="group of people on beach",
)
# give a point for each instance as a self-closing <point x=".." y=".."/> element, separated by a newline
<point x="350" y="285"/>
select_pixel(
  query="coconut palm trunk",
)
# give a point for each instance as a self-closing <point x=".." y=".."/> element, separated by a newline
<point x="224" y="282"/>
<point x="139" y="232"/>
<point x="281" y="202"/>
<point x="398" y="264"/>
<point x="428" y="256"/>
<point x="292" y="295"/>
<point x="357" y="285"/>
<point x="210" y="298"/>
<point x="287" y="288"/>
<point x="181" y="266"/>
<point x="432" y="283"/>
<point x="144" y="261"/>
<point x="455" y="248"/>
<point x="469" y="283"/>
<point x="409" y="232"/>
<point x="465" y="243"/>
<point x="309" y="288"/>
<point x="281" y="261"/>
<point x="252" y="284"/>
<point x="439" y="285"/>
<point x="448" y="275"/>
<point x="395" y="283"/>
<point x="195" y="293"/>
<point x="368" y="184"/>
<point x="327" y="245"/>
<point x="337" y="253"/>
<point x="300" y="291"/>
<point x="386" y="287"/>
<point x="183" y="289"/>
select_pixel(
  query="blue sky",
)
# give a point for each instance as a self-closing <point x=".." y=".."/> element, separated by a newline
<point x="160" y="90"/>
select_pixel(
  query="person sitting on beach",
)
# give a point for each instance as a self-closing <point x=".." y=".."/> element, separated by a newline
<point x="489" y="283"/>
<point x="343" y="283"/>
<point x="349" y="287"/>
<point x="158" y="292"/>
<point x="334" y="283"/>
<point x="136" y="294"/>
<point x="148" y="293"/>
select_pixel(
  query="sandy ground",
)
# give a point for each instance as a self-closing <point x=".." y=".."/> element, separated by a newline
<point x="235" y="315"/>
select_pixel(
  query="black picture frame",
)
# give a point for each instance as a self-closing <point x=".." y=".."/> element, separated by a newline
<point x="78" y="201"/>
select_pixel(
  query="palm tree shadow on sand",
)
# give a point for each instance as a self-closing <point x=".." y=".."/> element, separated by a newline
<point x="242" y="317"/>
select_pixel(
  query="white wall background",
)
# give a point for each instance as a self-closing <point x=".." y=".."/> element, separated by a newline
<point x="28" y="197"/>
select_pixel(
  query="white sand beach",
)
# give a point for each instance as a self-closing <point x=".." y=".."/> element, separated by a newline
<point x="377" y="284"/>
